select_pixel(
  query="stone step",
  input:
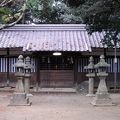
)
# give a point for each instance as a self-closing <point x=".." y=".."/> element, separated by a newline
<point x="43" y="90"/>
<point x="56" y="90"/>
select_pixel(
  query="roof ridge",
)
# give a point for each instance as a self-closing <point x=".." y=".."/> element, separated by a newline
<point x="50" y="27"/>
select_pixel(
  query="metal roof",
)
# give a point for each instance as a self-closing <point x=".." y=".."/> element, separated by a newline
<point x="50" y="37"/>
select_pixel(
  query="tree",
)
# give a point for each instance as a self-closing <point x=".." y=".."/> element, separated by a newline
<point x="70" y="13"/>
<point x="74" y="3"/>
<point x="11" y="12"/>
<point x="104" y="16"/>
<point x="41" y="11"/>
<point x="52" y="11"/>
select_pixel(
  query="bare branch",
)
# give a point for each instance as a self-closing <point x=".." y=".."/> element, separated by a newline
<point x="2" y="26"/>
<point x="12" y="24"/>
<point x="5" y="2"/>
<point x="2" y="2"/>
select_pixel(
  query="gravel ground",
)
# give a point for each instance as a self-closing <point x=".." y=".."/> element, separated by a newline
<point x="58" y="107"/>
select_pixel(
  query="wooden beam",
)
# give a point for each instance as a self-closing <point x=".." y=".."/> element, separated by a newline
<point x="37" y="72"/>
<point x="105" y="52"/>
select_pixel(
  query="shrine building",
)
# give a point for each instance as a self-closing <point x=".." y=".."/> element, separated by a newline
<point x="58" y="54"/>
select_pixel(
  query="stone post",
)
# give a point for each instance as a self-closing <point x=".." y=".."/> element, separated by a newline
<point x="27" y="76"/>
<point x="91" y="87"/>
<point x="102" y="97"/>
<point x="91" y="76"/>
<point x="19" y="97"/>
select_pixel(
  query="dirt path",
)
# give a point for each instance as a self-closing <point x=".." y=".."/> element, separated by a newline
<point x="59" y="107"/>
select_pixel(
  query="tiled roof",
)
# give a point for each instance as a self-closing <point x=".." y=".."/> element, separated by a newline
<point x="49" y="37"/>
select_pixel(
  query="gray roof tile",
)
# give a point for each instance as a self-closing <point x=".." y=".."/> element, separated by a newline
<point x="57" y="37"/>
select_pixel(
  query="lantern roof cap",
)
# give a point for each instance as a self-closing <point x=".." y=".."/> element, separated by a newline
<point x="27" y="63"/>
<point x="20" y="62"/>
<point x="102" y="62"/>
<point x="91" y="64"/>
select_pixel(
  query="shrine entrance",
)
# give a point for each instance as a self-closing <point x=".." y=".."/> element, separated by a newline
<point x="56" y="71"/>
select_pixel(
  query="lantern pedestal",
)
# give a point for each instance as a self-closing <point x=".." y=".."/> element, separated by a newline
<point x="19" y="99"/>
<point x="102" y="97"/>
<point x="91" y="85"/>
<point x="19" y="85"/>
<point x="27" y="86"/>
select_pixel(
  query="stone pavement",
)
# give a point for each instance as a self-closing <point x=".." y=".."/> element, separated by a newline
<point x="58" y="106"/>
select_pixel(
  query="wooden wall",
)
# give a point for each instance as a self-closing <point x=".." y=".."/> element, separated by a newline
<point x="80" y="78"/>
<point x="82" y="61"/>
<point x="56" y="78"/>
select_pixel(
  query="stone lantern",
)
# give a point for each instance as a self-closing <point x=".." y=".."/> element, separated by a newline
<point x="19" y="97"/>
<point x="90" y="75"/>
<point x="19" y="74"/>
<point x="27" y="76"/>
<point x="102" y="97"/>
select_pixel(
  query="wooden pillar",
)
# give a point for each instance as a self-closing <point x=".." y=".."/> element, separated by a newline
<point x="8" y="72"/>
<point x="105" y="52"/>
<point x="75" y="69"/>
<point x="37" y="72"/>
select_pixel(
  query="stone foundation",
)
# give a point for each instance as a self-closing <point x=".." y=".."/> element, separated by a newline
<point x="102" y="100"/>
<point x="19" y="99"/>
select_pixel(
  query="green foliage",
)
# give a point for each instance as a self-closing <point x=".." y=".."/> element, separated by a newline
<point x="104" y="16"/>
<point x="10" y="10"/>
<point x="5" y="11"/>
<point x="52" y="11"/>
<point x="74" y="3"/>
<point x="40" y="11"/>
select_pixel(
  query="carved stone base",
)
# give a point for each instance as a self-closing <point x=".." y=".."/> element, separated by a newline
<point x="19" y="99"/>
<point x="102" y="100"/>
